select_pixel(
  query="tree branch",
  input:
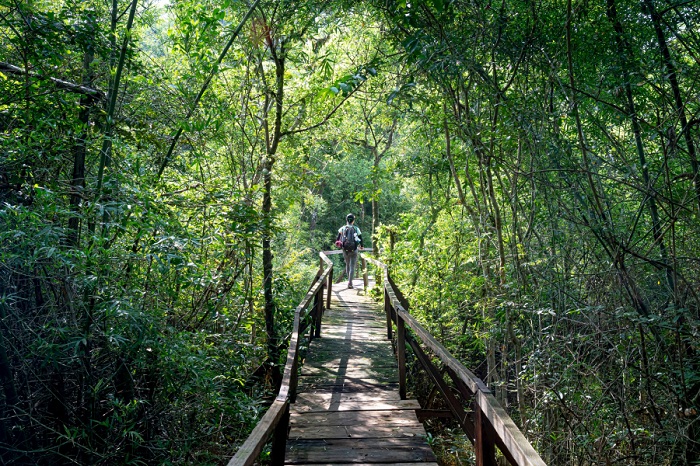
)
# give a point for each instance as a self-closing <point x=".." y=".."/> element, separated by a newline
<point x="60" y="83"/>
<point x="205" y="86"/>
<point x="327" y="117"/>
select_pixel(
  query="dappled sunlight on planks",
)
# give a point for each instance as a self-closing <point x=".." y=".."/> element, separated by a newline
<point x="348" y="408"/>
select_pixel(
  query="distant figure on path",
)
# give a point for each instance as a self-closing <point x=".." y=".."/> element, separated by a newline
<point x="349" y="239"/>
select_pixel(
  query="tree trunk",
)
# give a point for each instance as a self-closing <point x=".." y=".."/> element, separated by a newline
<point x="80" y="149"/>
<point x="624" y="53"/>
<point x="272" y="141"/>
<point x="677" y="98"/>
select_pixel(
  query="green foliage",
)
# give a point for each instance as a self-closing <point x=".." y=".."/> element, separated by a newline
<point x="524" y="169"/>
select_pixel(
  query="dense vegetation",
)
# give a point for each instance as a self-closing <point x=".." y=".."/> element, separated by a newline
<point x="169" y="171"/>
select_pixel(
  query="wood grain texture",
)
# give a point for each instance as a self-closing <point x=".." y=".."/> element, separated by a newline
<point x="384" y="450"/>
<point x="360" y="432"/>
<point x="348" y="409"/>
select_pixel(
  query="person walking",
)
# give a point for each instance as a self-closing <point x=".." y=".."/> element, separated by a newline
<point x="349" y="239"/>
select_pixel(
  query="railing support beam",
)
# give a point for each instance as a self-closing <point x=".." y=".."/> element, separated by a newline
<point x="330" y="288"/>
<point x="401" y="354"/>
<point x="365" y="278"/>
<point x="484" y="447"/>
<point x="452" y="402"/>
<point x="319" y="312"/>
<point x="279" y="440"/>
<point x="387" y="309"/>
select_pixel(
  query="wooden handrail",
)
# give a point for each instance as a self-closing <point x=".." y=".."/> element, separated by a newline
<point x="276" y="419"/>
<point x="491" y="425"/>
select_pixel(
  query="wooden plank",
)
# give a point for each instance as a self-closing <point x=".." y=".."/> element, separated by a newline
<point x="352" y="388"/>
<point x="358" y="432"/>
<point x="355" y="334"/>
<point x="330" y="352"/>
<point x="358" y="347"/>
<point x="351" y="329"/>
<point x="347" y="370"/>
<point x="347" y="409"/>
<point x="345" y="405"/>
<point x="354" y="418"/>
<point x="338" y="344"/>
<point x="374" y="464"/>
<point x="349" y="360"/>
<point x="343" y="306"/>
<point x="355" y="319"/>
<point x="342" y="323"/>
<point x="328" y="398"/>
<point x="385" y="450"/>
<point x="348" y="383"/>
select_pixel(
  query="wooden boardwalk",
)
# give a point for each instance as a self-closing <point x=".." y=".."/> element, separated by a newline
<point x="348" y="408"/>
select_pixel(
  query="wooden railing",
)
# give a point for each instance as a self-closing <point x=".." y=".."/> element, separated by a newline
<point x="486" y="423"/>
<point x="275" y="422"/>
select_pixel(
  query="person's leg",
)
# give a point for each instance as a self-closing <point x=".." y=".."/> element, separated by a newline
<point x="347" y="262"/>
<point x="352" y="260"/>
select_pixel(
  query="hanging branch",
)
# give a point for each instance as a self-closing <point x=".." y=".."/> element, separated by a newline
<point x="205" y="86"/>
<point x="59" y="83"/>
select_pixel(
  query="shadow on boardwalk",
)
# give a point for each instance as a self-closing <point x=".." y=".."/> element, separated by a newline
<point x="348" y="408"/>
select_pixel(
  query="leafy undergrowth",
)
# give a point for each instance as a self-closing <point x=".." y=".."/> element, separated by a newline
<point x="450" y="445"/>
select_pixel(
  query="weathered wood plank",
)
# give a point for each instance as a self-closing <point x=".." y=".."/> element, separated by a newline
<point x="374" y="464"/>
<point x="350" y="388"/>
<point x="342" y="320"/>
<point x="321" y="397"/>
<point x="327" y="344"/>
<point x="331" y="352"/>
<point x="348" y="384"/>
<point x="350" y="361"/>
<point x="354" y="418"/>
<point x="347" y="409"/>
<point x="359" y="432"/>
<point x="362" y="372"/>
<point x="375" y="405"/>
<point x="386" y="450"/>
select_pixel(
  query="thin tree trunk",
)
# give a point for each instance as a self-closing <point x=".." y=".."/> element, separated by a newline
<point x="624" y="53"/>
<point x="78" y="183"/>
<point x="272" y="140"/>
<point x="105" y="152"/>
<point x="677" y="98"/>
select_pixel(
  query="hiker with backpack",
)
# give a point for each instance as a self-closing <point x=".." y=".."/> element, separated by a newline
<point x="349" y="239"/>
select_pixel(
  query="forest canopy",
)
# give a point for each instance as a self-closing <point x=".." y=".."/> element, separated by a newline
<point x="170" y="170"/>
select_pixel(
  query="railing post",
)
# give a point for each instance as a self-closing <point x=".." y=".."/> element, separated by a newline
<point x="319" y="311"/>
<point x="330" y="288"/>
<point x="365" y="279"/>
<point x="313" y="309"/>
<point x="387" y="309"/>
<point x="279" y="440"/>
<point x="401" y="356"/>
<point x="294" y="379"/>
<point x="484" y="447"/>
